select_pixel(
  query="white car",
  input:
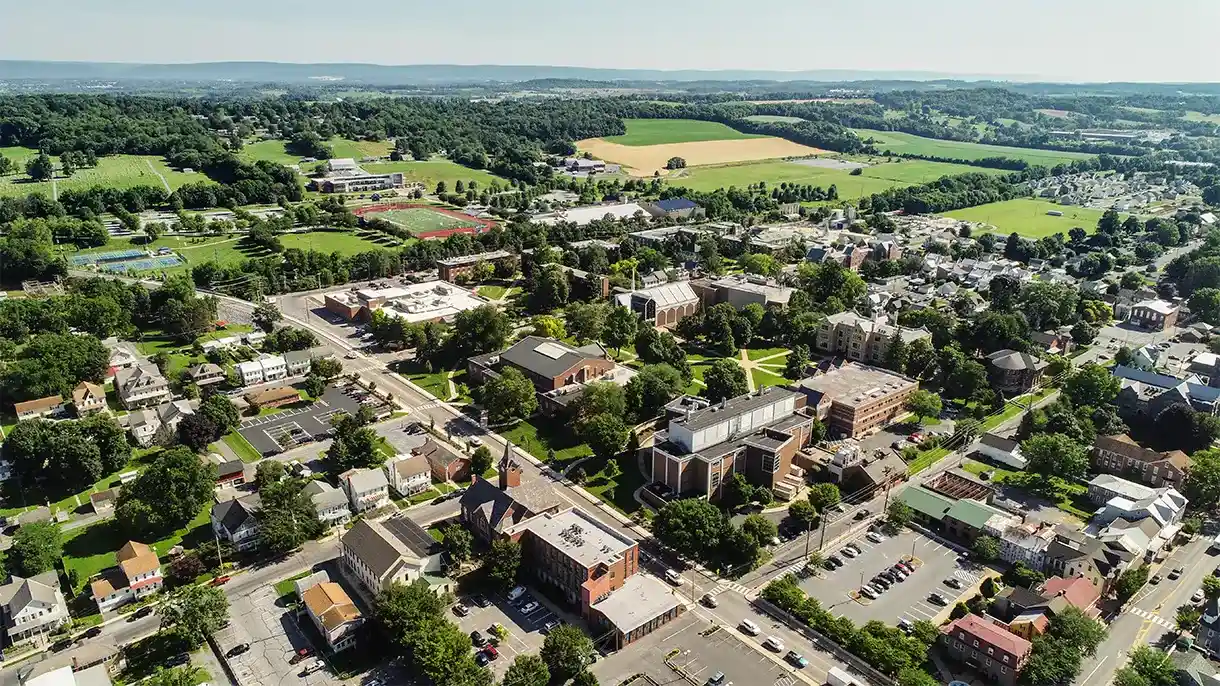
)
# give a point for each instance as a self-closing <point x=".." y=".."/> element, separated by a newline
<point x="875" y="537"/>
<point x="1198" y="596"/>
<point x="516" y="593"/>
<point x="849" y="552"/>
<point x="774" y="644"/>
<point x="673" y="577"/>
<point x="868" y="593"/>
<point x="529" y="607"/>
<point x="749" y="627"/>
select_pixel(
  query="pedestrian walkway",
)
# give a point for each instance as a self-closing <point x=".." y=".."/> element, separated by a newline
<point x="1152" y="617"/>
<point x="733" y="586"/>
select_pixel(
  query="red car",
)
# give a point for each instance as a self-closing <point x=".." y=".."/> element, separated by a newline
<point x="491" y="652"/>
<point x="221" y="580"/>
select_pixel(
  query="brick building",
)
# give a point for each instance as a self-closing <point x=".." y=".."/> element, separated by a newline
<point x="557" y="370"/>
<point x="1154" y="315"/>
<point x="663" y="305"/>
<point x="990" y="649"/>
<point x="452" y="267"/>
<point x="860" y="338"/>
<point x="1014" y="372"/>
<point x="1120" y="454"/>
<point x="853" y="398"/>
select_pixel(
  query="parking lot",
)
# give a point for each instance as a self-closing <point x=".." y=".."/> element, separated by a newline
<point x="524" y="619"/>
<point x="275" y="433"/>
<point x="904" y="599"/>
<point x="703" y="649"/>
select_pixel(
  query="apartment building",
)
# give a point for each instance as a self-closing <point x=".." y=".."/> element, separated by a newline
<point x="452" y="267"/>
<point x="1154" y="315"/>
<point x="1120" y="454"/>
<point x="853" y="398"/>
<point x="992" y="650"/>
<point x="860" y="338"/>
<point x="265" y="368"/>
<point x="330" y="502"/>
<point x="755" y="434"/>
<point x="141" y="386"/>
<point x="333" y="613"/>
<point x="236" y="521"/>
<point x="409" y="474"/>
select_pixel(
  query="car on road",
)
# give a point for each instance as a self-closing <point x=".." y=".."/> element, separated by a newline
<point x="221" y="580"/>
<point x="773" y="643"/>
<point x="142" y="612"/>
<point x="848" y="552"/>
<point x="529" y="607"/>
<point x="477" y="638"/>
<point x="796" y="659"/>
<point x="1175" y="573"/>
<point x="237" y="649"/>
<point x="461" y="610"/>
<point x="93" y="632"/>
<point x="673" y="577"/>
<point x="875" y="537"/>
<point x="1198" y="596"/>
<point x="953" y="583"/>
<point x="748" y="627"/>
<point x="938" y="599"/>
<point x="862" y="513"/>
<point x="709" y="600"/>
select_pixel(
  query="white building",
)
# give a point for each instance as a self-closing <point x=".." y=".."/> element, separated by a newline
<point x="1003" y="450"/>
<point x="266" y="368"/>
<point x="330" y="502"/>
<point x="409" y="474"/>
<point x="137" y="575"/>
<point x="378" y="554"/>
<point x="141" y="386"/>
<point x="367" y="489"/>
<point x="32" y="608"/>
<point x="236" y="521"/>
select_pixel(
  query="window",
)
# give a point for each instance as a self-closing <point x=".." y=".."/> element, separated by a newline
<point x="1003" y="669"/>
<point x="975" y="643"/>
<point x="990" y="650"/>
<point x="1005" y="659"/>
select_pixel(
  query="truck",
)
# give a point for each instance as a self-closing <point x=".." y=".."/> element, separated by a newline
<point x="837" y="677"/>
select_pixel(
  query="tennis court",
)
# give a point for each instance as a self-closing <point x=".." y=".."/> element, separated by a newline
<point x="158" y="262"/>
<point x="103" y="257"/>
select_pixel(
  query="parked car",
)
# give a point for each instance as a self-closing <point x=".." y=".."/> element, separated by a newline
<point x="516" y="593"/>
<point x="142" y="612"/>
<point x="953" y="583"/>
<point x="848" y="552"/>
<point x="529" y="607"/>
<point x="461" y="610"/>
<point x="1156" y="579"/>
<point x="237" y="649"/>
<point x="93" y="632"/>
<point x="716" y="679"/>
<point x="480" y="600"/>
<point x="491" y="652"/>
<point x="673" y="577"/>
<point x="477" y="638"/>
<point x="481" y="659"/>
<point x="1175" y="573"/>
<point x="938" y="599"/>
<point x="862" y="513"/>
<point x="773" y="643"/>
<point x="835" y="560"/>
<point x="905" y="626"/>
<point x="1198" y="596"/>
<point x="868" y="593"/>
<point x="875" y="537"/>
<point x="748" y="627"/>
<point x="550" y="626"/>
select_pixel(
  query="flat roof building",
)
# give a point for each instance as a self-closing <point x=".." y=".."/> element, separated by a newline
<point x="421" y="302"/>
<point x="855" y="398"/>
<point x="450" y="268"/>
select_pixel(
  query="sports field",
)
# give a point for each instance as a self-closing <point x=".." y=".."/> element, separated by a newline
<point x="1028" y="217"/>
<point x="419" y="220"/>
<point x="773" y="119"/>
<point x="873" y="179"/>
<point x="115" y="171"/>
<point x="429" y="172"/>
<point x="273" y="150"/>
<point x="664" y="131"/>
<point x="901" y="143"/>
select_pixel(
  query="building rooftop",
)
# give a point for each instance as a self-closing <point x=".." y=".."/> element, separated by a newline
<point x="973" y="512"/>
<point x="418" y="302"/>
<point x="997" y="636"/>
<point x="1122" y="487"/>
<point x="669" y="294"/>
<point x="1159" y="306"/>
<point x="925" y="502"/>
<point x="710" y="416"/>
<point x="855" y="384"/>
<point x="578" y="536"/>
<point x="330" y="604"/>
<point x="474" y="259"/>
<point x="641" y="600"/>
<point x="583" y="215"/>
<point x="1015" y="361"/>
<point x="548" y="357"/>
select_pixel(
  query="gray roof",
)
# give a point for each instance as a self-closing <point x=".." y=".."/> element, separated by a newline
<point x="640" y="600"/>
<point x="382" y="545"/>
<point x="230" y="468"/>
<point x="324" y="496"/>
<point x="299" y="355"/>
<point x="365" y="480"/>
<point x="710" y="416"/>
<point x="233" y="514"/>
<point x="548" y="357"/>
<point x="125" y="378"/>
<point x="205" y="369"/>
<point x="20" y="592"/>
<point x="1013" y="360"/>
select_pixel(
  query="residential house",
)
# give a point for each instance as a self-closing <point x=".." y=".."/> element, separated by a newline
<point x="331" y="503"/>
<point x="265" y="368"/>
<point x="1165" y="506"/>
<point x="334" y="614"/>
<point x="1194" y="669"/>
<point x="137" y="575"/>
<point x="490" y="510"/>
<point x="32" y="608"/>
<point x="123" y="355"/>
<point x="376" y="554"/>
<point x="1154" y="315"/>
<point x="144" y="424"/>
<point x="446" y="463"/>
<point x="88" y="398"/>
<point x="236" y="521"/>
<point x="1014" y="373"/>
<point x="1053" y="342"/>
<point x="1146" y="358"/>
<point x="862" y="339"/>
<point x="996" y="653"/>
<point x="42" y="407"/>
<point x="367" y="489"/>
<point x="298" y="361"/>
<point x="1120" y="454"/>
<point x="206" y="374"/>
<point x="409" y="474"/>
<point x="663" y="305"/>
<point x="1005" y="451"/>
<point x="141" y="386"/>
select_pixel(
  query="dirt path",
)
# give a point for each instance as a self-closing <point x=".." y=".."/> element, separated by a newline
<point x="153" y="169"/>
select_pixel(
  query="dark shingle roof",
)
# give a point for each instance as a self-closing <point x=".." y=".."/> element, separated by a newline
<point x="548" y="357"/>
<point x="233" y="514"/>
<point x="675" y="204"/>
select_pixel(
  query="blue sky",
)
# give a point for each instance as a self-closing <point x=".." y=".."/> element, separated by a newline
<point x="1137" y="40"/>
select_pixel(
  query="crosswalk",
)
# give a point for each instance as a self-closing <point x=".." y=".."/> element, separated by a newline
<point x="732" y="586"/>
<point x="427" y="406"/>
<point x="1154" y="618"/>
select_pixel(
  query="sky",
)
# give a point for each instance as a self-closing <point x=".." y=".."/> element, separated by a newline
<point x="1072" y="40"/>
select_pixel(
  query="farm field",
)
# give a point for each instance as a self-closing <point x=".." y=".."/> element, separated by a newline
<point x="418" y="219"/>
<point x="871" y="180"/>
<point x="115" y="171"/>
<point x="900" y="143"/>
<point x="773" y="118"/>
<point x="648" y="160"/>
<point x="1199" y="116"/>
<point x="642" y="132"/>
<point x="1029" y="217"/>
<point x="429" y="172"/>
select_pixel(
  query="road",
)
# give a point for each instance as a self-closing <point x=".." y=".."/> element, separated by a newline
<point x="1148" y="618"/>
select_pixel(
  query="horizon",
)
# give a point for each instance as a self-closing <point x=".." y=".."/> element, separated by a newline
<point x="1086" y="42"/>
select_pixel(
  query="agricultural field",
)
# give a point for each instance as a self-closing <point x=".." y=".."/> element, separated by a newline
<point x="116" y="171"/>
<point x="641" y="132"/>
<point x="773" y="119"/>
<point x="905" y="143"/>
<point x="872" y="179"/>
<point x="429" y="172"/>
<point x="1029" y="218"/>
<point x="419" y="220"/>
<point x="651" y="159"/>
<point x="273" y="150"/>
<point x="1199" y="116"/>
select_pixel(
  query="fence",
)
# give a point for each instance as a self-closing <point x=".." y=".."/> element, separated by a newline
<point x="860" y="666"/>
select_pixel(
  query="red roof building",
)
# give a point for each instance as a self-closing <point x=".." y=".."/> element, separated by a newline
<point x="987" y="647"/>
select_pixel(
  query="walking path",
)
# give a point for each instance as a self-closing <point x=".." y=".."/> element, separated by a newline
<point x="159" y="176"/>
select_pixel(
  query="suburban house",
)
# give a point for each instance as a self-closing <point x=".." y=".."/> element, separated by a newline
<point x="265" y="368"/>
<point x="756" y="434"/>
<point x="377" y="554"/>
<point x="123" y="355"/>
<point x="557" y="370"/>
<point x="1005" y="451"/>
<point x="32" y="608"/>
<point x="1207" y="636"/>
<point x="137" y="575"/>
<point x="1120" y="454"/>
<point x="42" y="407"/>
<point x="145" y="423"/>
<point x="446" y="463"/>
<point x="298" y="362"/>
<point x="853" y="399"/>
<point x="141" y="386"/>
<point x="331" y="503"/>
<point x="1154" y="315"/>
<point x="1014" y="373"/>
<point x="664" y="305"/>
<point x="490" y="510"/>
<point x="997" y="654"/>
<point x="366" y="489"/>
<point x="409" y="474"/>
<point x="206" y="374"/>
<point x="1052" y="342"/>
<point x="333" y="613"/>
<point x="236" y="521"/>
<point x="88" y="398"/>
<point x="862" y="339"/>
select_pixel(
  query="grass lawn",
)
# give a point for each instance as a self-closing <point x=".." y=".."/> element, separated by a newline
<point x="923" y="171"/>
<point x="285" y="587"/>
<point x="905" y="143"/>
<point x="89" y="550"/>
<point x="760" y="353"/>
<point x="343" y="242"/>
<point x="419" y="219"/>
<point x="926" y="459"/>
<point x="437" y="169"/>
<point x="229" y="330"/>
<point x="775" y="172"/>
<point x="1013" y="409"/>
<point x="619" y="491"/>
<point x="435" y="383"/>
<point x="1028" y="217"/>
<point x="539" y="435"/>
<point x="763" y="378"/>
<point x="493" y="292"/>
<point x="242" y="447"/>
<point x="1072" y="498"/>
<point x="1199" y="116"/>
<point x="662" y="131"/>
<point x="114" y="171"/>
<point x="273" y="150"/>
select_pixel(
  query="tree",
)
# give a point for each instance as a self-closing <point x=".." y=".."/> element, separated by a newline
<point x="441" y="651"/>
<point x="724" y="379"/>
<point x="966" y="379"/>
<point x="40" y="168"/>
<point x="175" y="676"/>
<point x="1211" y="587"/>
<point x="913" y="676"/>
<point x="652" y="388"/>
<point x="985" y="549"/>
<point x="959" y="610"/>
<point x="1055" y="455"/>
<point x="693" y="527"/>
<point x="737" y="492"/>
<point x="566" y="651"/>
<point x="222" y="412"/>
<point x="585" y="321"/>
<point x="268" y="473"/>
<point x="197" y="432"/>
<point x="759" y="263"/>
<point x="1130" y="581"/>
<point x="457" y="542"/>
<point x="1203" y="480"/>
<point x="1124" y="356"/>
<point x="548" y="326"/>
<point x="36" y="548"/>
<point x="287" y="516"/>
<point x="796" y="362"/>
<point x="166" y="495"/>
<point x="924" y="404"/>
<point x="824" y="496"/>
<point x="989" y="588"/>
<point x="599" y="397"/>
<point x="479" y="331"/>
<point x="194" y="612"/>
<point x="509" y="396"/>
<point x="480" y="460"/>
<point x="1083" y="333"/>
<point x="1154" y="665"/>
<point x="502" y="561"/>
<point x="551" y="290"/>
<point x="1073" y="627"/>
<point x="325" y="367"/>
<point x="620" y="328"/>
<point x="585" y="678"/>
<point x="898" y="514"/>
<point x="403" y="607"/>
<point x="605" y="433"/>
<point x="526" y="670"/>
<point x="1187" y="618"/>
<point x="801" y="511"/>
<point x="1021" y="574"/>
<point x="759" y="528"/>
<point x="265" y="316"/>
<point x="1092" y="385"/>
<point x="675" y="163"/>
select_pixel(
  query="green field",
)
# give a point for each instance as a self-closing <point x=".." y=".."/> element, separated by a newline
<point x="871" y="180"/>
<point x="773" y="119"/>
<point x="116" y="171"/>
<point x="429" y="172"/>
<point x="1199" y="116"/>
<point x="342" y="242"/>
<point x="418" y="219"/>
<point x="1029" y="217"/>
<point x="905" y="143"/>
<point x="273" y="150"/>
<point x="662" y="131"/>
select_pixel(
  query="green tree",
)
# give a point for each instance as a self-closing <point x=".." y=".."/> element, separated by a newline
<point x="1154" y="665"/>
<point x="989" y="587"/>
<point x="268" y="472"/>
<point x="898" y="514"/>
<point x="693" y="527"/>
<point x="1211" y="587"/>
<point x="480" y="460"/>
<point x="502" y="562"/>
<point x="526" y="670"/>
<point x="548" y="326"/>
<point x="266" y="315"/>
<point x="605" y="433"/>
<point x="585" y="678"/>
<point x="441" y="651"/>
<point x="566" y="651"/>
<point x="913" y="676"/>
<point x="168" y="493"/>
<point x="1131" y="581"/>
<point x="457" y="542"/>
<point x="1187" y="618"/>
<point x="176" y="676"/>
<point x="924" y="404"/>
<point x="325" y="367"/>
<point x="652" y="388"/>
<point x="586" y="321"/>
<point x="402" y="607"/>
<point x="484" y="329"/>
<point x="759" y="263"/>
<point x="1021" y="574"/>
<point x="621" y="326"/>
<point x="36" y="548"/>
<point x="824" y="496"/>
<point x="759" y="528"/>
<point x="1055" y="455"/>
<point x="221" y="411"/>
<point x="509" y="396"/>
<point x="1203" y="480"/>
<point x="194" y="613"/>
<point x="796" y="362"/>
<point x="724" y="379"/>
<point x="287" y="516"/>
<point x="40" y="168"/>
<point x="986" y="548"/>
<point x="804" y="513"/>
<point x="1092" y="385"/>
<point x="736" y="492"/>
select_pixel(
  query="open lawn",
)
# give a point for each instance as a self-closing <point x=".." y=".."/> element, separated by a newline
<point x="872" y="179"/>
<point x="429" y="172"/>
<point x="436" y="383"/>
<point x="664" y="131"/>
<point x="1028" y="217"/>
<point x="763" y="378"/>
<point x="344" y="242"/>
<point x="901" y="143"/>
<point x="419" y="219"/>
<point x="1199" y="116"/>
<point x="539" y="435"/>
<point x="89" y="550"/>
<point x="273" y="150"/>
<point x="17" y="153"/>
<point x="618" y="491"/>
<point x="238" y="444"/>
<point x="115" y="171"/>
<point x="922" y="171"/>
